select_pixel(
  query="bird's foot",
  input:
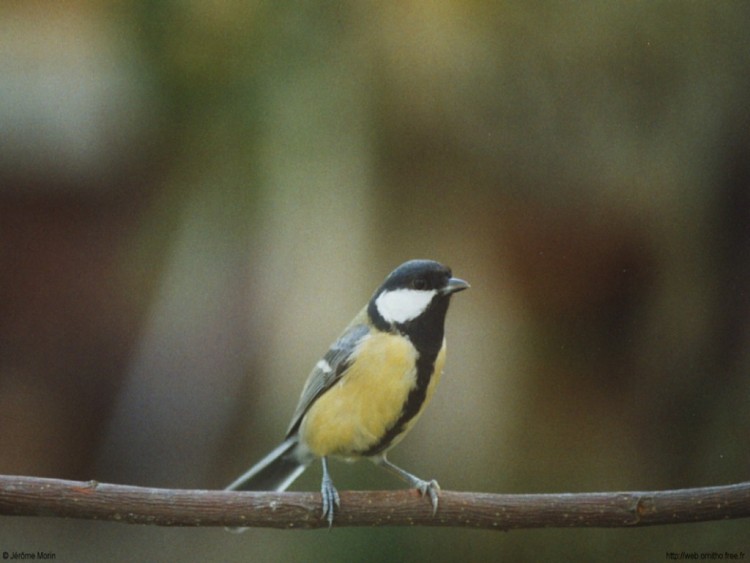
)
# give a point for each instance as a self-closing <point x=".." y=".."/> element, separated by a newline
<point x="331" y="499"/>
<point x="430" y="488"/>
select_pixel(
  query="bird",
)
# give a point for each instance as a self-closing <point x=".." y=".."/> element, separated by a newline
<point x="369" y="388"/>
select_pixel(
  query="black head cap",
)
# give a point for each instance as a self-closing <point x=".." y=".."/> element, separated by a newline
<point x="418" y="275"/>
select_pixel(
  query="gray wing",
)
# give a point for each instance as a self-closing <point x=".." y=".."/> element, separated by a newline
<point x="330" y="368"/>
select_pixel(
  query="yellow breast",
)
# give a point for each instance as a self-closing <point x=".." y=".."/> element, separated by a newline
<point x="357" y="411"/>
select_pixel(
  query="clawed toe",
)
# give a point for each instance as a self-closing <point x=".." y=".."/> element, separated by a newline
<point x="432" y="489"/>
<point x="331" y="500"/>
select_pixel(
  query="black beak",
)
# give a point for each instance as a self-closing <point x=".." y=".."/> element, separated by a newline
<point x="454" y="285"/>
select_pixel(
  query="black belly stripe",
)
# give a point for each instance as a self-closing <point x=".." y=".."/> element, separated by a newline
<point x="412" y="405"/>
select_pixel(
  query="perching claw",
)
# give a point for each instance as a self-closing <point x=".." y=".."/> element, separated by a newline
<point x="331" y="499"/>
<point x="430" y="488"/>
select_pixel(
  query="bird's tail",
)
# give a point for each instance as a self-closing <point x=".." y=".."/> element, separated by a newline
<point x="275" y="472"/>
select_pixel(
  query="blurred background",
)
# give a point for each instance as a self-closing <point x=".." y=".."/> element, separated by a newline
<point x="196" y="197"/>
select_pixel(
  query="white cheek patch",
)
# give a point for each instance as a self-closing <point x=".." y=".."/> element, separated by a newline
<point x="402" y="305"/>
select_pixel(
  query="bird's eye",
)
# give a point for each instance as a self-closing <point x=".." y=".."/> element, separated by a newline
<point x="419" y="283"/>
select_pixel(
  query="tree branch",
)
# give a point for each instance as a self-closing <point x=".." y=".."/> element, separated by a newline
<point x="32" y="496"/>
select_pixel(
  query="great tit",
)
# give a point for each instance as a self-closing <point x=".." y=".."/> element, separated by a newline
<point x="368" y="390"/>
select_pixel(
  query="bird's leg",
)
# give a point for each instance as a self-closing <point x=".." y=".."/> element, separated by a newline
<point x="430" y="488"/>
<point x="331" y="499"/>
